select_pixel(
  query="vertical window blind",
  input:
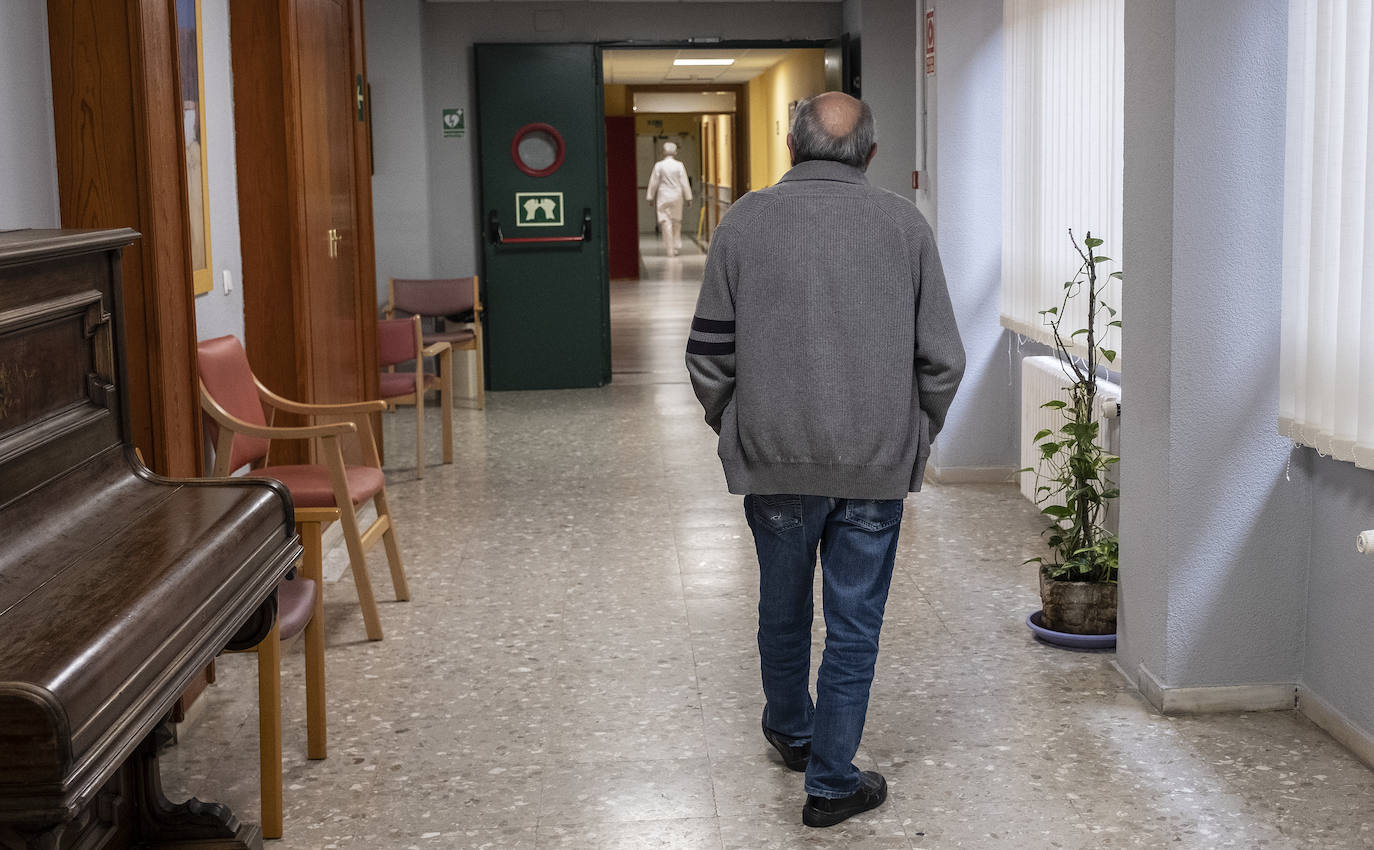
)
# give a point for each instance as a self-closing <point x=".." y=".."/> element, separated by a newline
<point x="1061" y="154"/>
<point x="1326" y="372"/>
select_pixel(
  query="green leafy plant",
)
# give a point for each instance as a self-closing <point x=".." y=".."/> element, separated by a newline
<point x="1073" y="481"/>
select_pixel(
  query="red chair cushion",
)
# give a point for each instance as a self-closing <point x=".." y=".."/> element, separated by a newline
<point x="396" y="341"/>
<point x="310" y="488"/>
<point x="228" y="379"/>
<point x="433" y="297"/>
<point x="295" y="605"/>
<point x="397" y="384"/>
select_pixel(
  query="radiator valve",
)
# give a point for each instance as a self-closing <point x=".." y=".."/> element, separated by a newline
<point x="1364" y="544"/>
<point x="1111" y="408"/>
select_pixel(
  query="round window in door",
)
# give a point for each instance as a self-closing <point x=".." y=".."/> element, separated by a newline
<point x="537" y="149"/>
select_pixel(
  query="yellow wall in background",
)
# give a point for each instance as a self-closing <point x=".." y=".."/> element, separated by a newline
<point x="617" y="99"/>
<point x="800" y="75"/>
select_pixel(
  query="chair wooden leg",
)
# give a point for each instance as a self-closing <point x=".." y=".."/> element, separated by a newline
<point x="393" y="551"/>
<point x="312" y="566"/>
<point x="419" y="432"/>
<point x="269" y="732"/>
<point x="446" y="402"/>
<point x="481" y="381"/>
<point x="357" y="561"/>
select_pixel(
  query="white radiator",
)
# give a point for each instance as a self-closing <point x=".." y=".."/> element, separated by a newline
<point x="1043" y="379"/>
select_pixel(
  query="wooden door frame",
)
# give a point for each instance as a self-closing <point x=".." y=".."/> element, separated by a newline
<point x="121" y="162"/>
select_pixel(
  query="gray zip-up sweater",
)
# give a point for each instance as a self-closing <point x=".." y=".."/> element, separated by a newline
<point x="824" y="348"/>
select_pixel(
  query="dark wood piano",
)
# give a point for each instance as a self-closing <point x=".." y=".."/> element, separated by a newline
<point x="116" y="586"/>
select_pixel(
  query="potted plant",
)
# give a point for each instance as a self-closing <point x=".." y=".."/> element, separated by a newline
<point x="1078" y="578"/>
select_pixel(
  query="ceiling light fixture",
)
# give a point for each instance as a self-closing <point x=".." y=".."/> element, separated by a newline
<point x="703" y="61"/>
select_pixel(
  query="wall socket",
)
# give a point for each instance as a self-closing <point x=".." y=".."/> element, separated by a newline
<point x="228" y="282"/>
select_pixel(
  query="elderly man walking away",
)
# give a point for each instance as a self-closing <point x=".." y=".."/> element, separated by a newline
<point x="825" y="354"/>
<point x="669" y="189"/>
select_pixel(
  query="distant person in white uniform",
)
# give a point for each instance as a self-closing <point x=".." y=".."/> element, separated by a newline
<point x="670" y="184"/>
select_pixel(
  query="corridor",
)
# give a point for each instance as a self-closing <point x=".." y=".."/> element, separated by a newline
<point x="577" y="666"/>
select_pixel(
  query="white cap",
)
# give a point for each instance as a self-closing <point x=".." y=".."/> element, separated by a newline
<point x="670" y="148"/>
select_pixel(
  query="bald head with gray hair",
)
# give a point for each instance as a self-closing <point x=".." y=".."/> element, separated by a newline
<point x="835" y="127"/>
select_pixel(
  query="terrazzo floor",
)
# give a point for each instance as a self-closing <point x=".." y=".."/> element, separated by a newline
<point x="577" y="666"/>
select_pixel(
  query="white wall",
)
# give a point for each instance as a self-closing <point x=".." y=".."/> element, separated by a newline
<point x="979" y="441"/>
<point x="1215" y="528"/>
<point x="28" y="152"/>
<point x="450" y="30"/>
<point x="401" y="137"/>
<point x="218" y="313"/>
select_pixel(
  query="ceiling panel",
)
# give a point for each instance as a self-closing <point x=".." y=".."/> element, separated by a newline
<point x="647" y="67"/>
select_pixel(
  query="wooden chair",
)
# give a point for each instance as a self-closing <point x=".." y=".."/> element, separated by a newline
<point x="300" y="607"/>
<point x="400" y="341"/>
<point x="233" y="399"/>
<point x="439" y="299"/>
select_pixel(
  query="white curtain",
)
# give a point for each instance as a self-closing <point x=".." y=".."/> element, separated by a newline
<point x="1326" y="377"/>
<point x="1061" y="154"/>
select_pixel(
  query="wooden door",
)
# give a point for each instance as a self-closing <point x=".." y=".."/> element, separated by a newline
<point x="333" y="309"/>
<point x="305" y="204"/>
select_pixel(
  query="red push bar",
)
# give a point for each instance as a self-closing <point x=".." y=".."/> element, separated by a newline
<point x="497" y="238"/>
<point x="509" y="241"/>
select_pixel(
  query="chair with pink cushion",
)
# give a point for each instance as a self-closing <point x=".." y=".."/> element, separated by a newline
<point x="399" y="341"/>
<point x="439" y="300"/>
<point x="233" y="401"/>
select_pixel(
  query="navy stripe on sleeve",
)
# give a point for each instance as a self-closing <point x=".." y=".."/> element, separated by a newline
<point x="712" y="326"/>
<point x="695" y="346"/>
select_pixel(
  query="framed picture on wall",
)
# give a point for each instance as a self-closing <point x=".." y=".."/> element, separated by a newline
<point x="192" y="67"/>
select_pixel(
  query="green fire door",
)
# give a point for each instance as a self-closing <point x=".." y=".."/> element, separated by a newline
<point x="539" y="129"/>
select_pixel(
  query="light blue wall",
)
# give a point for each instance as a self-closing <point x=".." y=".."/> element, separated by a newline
<point x="400" y="141"/>
<point x="1338" y="664"/>
<point x="888" y="38"/>
<point x="218" y="314"/>
<point x="1216" y="531"/>
<point x="980" y="435"/>
<point x="28" y="153"/>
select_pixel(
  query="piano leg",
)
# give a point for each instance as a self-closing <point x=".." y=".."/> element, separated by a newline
<point x="164" y="825"/>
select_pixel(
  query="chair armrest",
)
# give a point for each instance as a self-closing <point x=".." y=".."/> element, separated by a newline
<point x="230" y="422"/>
<point x="290" y="406"/>
<point x="435" y="349"/>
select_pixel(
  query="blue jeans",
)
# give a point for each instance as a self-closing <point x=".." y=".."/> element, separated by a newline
<point x="858" y="543"/>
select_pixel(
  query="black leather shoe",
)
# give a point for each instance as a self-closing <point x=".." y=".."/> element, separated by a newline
<point x="795" y="756"/>
<point x="825" y="811"/>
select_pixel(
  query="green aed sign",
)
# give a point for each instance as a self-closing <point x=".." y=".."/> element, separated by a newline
<point x="454" y="124"/>
<point x="538" y="209"/>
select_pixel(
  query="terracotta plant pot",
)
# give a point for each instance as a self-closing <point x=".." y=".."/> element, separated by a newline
<point x="1078" y="607"/>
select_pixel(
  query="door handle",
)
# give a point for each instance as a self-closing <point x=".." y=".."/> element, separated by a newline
<point x="334" y="239"/>
<point x="497" y="238"/>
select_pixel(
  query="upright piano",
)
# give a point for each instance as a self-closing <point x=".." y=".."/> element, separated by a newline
<point x="116" y="586"/>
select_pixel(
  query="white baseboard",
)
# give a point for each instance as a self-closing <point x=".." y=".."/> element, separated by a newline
<point x="971" y="474"/>
<point x="1279" y="696"/>
<point x="1337" y="725"/>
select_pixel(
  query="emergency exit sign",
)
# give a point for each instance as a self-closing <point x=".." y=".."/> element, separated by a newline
<point x="538" y="209"/>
